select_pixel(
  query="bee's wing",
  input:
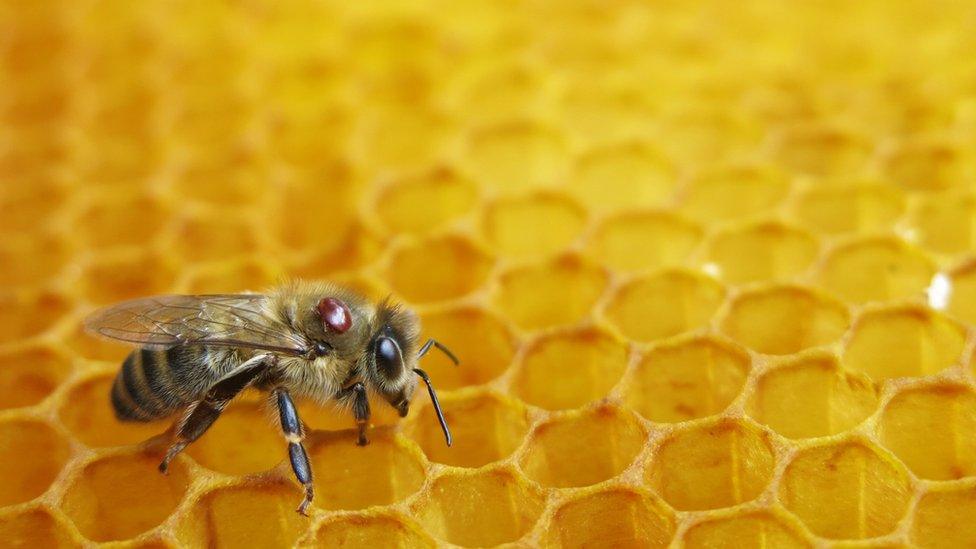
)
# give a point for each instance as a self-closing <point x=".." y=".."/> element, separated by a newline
<point x="170" y="320"/>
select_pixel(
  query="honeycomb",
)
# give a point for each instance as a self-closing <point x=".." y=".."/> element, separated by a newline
<point x="709" y="266"/>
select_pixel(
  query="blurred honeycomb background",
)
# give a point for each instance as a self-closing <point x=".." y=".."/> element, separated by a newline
<point x="709" y="265"/>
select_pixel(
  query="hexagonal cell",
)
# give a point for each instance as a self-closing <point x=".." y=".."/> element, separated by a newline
<point x="47" y="255"/>
<point x="230" y="276"/>
<point x="719" y="464"/>
<point x="243" y="440"/>
<point x="583" y="449"/>
<point x="697" y="132"/>
<point x="543" y="295"/>
<point x="625" y="176"/>
<point x="569" y="369"/>
<point x="349" y="471"/>
<point x="664" y="304"/>
<point x="127" y="276"/>
<point x="876" y="269"/>
<point x="664" y="240"/>
<point x="142" y="216"/>
<point x="35" y="528"/>
<point x="782" y="320"/>
<point x="486" y="427"/>
<point x="505" y="509"/>
<point x="812" y="396"/>
<point x="512" y="226"/>
<point x="734" y="192"/>
<point x="403" y="137"/>
<point x="29" y="375"/>
<point x="424" y="202"/>
<point x="256" y="515"/>
<point x="85" y="345"/>
<point x="924" y="165"/>
<point x="927" y="342"/>
<point x="750" y="529"/>
<point x="214" y="237"/>
<point x="762" y="251"/>
<point x="88" y="414"/>
<point x="461" y="267"/>
<point x="119" y="497"/>
<point x="616" y="517"/>
<point x="368" y="531"/>
<point x="943" y="518"/>
<point x="945" y="222"/>
<point x="821" y="150"/>
<point x="31" y="456"/>
<point x="480" y="340"/>
<point x="24" y="315"/>
<point x="687" y="379"/>
<point x="334" y="185"/>
<point x="505" y="92"/>
<point x="513" y="157"/>
<point x="846" y="490"/>
<point x="857" y="208"/>
<point x="927" y="428"/>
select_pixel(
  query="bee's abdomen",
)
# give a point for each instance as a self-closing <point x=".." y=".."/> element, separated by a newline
<point x="151" y="384"/>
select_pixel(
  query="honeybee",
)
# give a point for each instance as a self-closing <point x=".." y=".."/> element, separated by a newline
<point x="305" y="339"/>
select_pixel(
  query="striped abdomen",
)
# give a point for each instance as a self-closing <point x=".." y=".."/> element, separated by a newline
<point x="153" y="383"/>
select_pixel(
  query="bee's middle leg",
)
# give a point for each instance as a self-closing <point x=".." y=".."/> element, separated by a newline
<point x="205" y="412"/>
<point x="291" y="425"/>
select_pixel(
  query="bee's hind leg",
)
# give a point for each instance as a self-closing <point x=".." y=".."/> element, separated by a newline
<point x="203" y="413"/>
<point x="291" y="425"/>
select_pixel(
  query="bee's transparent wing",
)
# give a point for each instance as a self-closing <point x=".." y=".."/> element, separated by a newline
<point x="171" y="320"/>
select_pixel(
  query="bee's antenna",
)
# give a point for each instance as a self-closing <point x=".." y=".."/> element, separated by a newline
<point x="441" y="347"/>
<point x="437" y="405"/>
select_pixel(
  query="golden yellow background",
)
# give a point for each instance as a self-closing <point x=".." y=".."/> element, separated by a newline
<point x="682" y="248"/>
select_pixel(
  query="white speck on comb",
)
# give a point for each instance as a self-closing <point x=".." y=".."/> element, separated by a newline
<point x="712" y="269"/>
<point x="939" y="291"/>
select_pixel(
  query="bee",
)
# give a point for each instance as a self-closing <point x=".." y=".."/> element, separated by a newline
<point x="311" y="340"/>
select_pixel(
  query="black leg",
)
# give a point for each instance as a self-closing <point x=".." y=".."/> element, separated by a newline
<point x="202" y="414"/>
<point x="440" y="346"/>
<point x="294" y="434"/>
<point x="360" y="410"/>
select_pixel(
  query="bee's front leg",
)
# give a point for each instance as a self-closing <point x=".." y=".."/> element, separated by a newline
<point x="291" y="425"/>
<point x="360" y="409"/>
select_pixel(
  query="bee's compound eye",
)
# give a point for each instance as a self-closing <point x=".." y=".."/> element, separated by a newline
<point x="335" y="315"/>
<point x="388" y="358"/>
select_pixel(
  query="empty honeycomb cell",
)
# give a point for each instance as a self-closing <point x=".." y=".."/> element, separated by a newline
<point x="242" y="441"/>
<point x="664" y="240"/>
<point x="48" y="256"/>
<point x="845" y="490"/>
<point x="721" y="194"/>
<point x="719" y="464"/>
<point x="687" y="379"/>
<point x="213" y="236"/>
<point x="34" y="528"/>
<point x="424" y="202"/>
<point x="120" y="496"/>
<point x="753" y="529"/>
<point x="479" y="508"/>
<point x="142" y="215"/>
<point x="927" y="342"/>
<point x="220" y="182"/>
<point x="962" y="298"/>
<point x="515" y="228"/>
<point x="127" y="276"/>
<point x="362" y="532"/>
<point x="762" y="251"/>
<point x="928" y="429"/>
<point x="346" y="473"/>
<point x="568" y="369"/>
<point x="876" y="269"/>
<point x="329" y="191"/>
<point x="31" y="456"/>
<point x="922" y="165"/>
<point x="255" y="515"/>
<point x="945" y="222"/>
<point x="822" y="150"/>
<point x="87" y="413"/>
<point x="84" y="345"/>
<point x="698" y="132"/>
<point x="515" y="156"/>
<point x="624" y="176"/>
<point x="596" y="114"/>
<point x="850" y="207"/>
<point x="612" y="439"/>
<point x="24" y="315"/>
<point x="784" y="319"/>
<point x="615" y="517"/>
<point x="664" y="304"/>
<point x="461" y="268"/>
<point x="481" y="341"/>
<point x="247" y="275"/>
<point x="503" y="93"/>
<point x="812" y="396"/>
<point x="486" y="428"/>
<point x="28" y="376"/>
<point x="399" y="137"/>
<point x="556" y="292"/>
<point x="943" y="518"/>
<point x="22" y="209"/>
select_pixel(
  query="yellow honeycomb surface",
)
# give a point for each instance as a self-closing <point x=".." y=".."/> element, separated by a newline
<point x="708" y="265"/>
